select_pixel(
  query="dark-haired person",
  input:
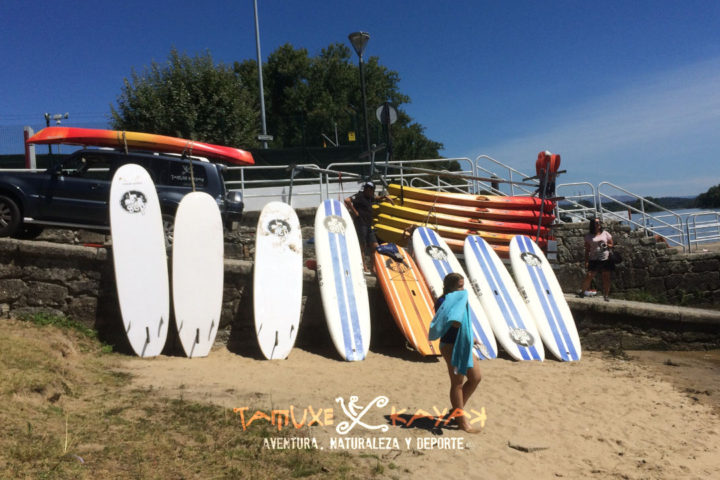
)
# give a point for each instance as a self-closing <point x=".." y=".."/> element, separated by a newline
<point x="598" y="243"/>
<point x="451" y="325"/>
<point x="360" y="208"/>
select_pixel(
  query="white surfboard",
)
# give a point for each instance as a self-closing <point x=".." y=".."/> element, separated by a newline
<point x="277" y="279"/>
<point x="510" y="319"/>
<point x="140" y="259"/>
<point x="197" y="272"/>
<point x="544" y="297"/>
<point x="436" y="260"/>
<point x="342" y="283"/>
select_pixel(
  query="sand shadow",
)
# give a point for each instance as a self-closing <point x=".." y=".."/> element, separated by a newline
<point x="434" y="425"/>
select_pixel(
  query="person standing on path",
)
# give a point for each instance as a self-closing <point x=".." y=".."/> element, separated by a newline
<point x="598" y="245"/>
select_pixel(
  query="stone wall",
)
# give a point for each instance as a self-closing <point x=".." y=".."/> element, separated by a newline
<point x="58" y="275"/>
<point x="651" y="271"/>
<point x="79" y="282"/>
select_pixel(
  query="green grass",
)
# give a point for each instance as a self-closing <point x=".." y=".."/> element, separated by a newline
<point x="69" y="412"/>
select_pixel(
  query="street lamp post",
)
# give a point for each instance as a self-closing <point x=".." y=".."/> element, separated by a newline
<point x="359" y="41"/>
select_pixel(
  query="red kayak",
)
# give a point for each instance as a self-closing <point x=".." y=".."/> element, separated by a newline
<point x="529" y="216"/>
<point x="139" y="141"/>
<point x="431" y="218"/>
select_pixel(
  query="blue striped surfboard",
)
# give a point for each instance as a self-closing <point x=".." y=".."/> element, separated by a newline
<point x="545" y="300"/>
<point x="342" y="283"/>
<point x="510" y="319"/>
<point x="436" y="260"/>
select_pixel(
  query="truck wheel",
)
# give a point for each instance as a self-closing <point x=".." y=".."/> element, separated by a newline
<point x="9" y="216"/>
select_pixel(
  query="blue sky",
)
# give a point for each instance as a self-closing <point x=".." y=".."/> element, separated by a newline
<point x="626" y="91"/>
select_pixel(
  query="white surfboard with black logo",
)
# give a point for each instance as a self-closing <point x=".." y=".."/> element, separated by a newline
<point x="436" y="260"/>
<point x="277" y="279"/>
<point x="140" y="260"/>
<point x="545" y="299"/>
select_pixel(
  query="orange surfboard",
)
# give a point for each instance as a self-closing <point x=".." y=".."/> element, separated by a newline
<point x="409" y="300"/>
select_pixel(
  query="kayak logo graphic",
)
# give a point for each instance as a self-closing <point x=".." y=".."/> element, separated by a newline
<point x="278" y="227"/>
<point x="356" y="412"/>
<point x="133" y="201"/>
<point x="335" y="224"/>
<point x="531" y="259"/>
<point x="436" y="253"/>
<point x="522" y="337"/>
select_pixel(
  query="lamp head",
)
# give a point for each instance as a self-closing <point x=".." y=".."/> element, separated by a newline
<point x="359" y="41"/>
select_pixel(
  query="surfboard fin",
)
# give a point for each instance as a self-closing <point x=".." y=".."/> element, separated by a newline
<point x="197" y="335"/>
<point x="212" y="326"/>
<point x="162" y="322"/>
<point x="147" y="335"/>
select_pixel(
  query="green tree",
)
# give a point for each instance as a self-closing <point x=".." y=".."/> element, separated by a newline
<point x="189" y="97"/>
<point x="307" y="96"/>
<point x="709" y="199"/>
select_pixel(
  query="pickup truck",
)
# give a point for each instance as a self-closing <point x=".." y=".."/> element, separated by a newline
<point x="74" y="191"/>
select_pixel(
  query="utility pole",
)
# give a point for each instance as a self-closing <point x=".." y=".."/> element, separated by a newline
<point x="264" y="136"/>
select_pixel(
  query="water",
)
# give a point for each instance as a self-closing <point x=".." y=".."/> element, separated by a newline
<point x="699" y="225"/>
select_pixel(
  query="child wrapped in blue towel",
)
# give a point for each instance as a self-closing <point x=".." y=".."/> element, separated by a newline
<point x="451" y="325"/>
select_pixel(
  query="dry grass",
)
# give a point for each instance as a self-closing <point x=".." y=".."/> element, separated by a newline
<point x="67" y="412"/>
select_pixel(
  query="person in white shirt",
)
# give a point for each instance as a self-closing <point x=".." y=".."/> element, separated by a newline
<point x="598" y="243"/>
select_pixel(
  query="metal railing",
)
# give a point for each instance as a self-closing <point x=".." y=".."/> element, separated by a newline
<point x="397" y="174"/>
<point x="702" y="227"/>
<point x="506" y="173"/>
<point x="664" y="223"/>
<point x="576" y="197"/>
<point x="255" y="187"/>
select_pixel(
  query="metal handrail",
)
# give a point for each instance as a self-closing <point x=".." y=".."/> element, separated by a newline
<point x="245" y="184"/>
<point x="702" y="231"/>
<point x="677" y="238"/>
<point x="511" y="173"/>
<point x="379" y="167"/>
<point x="575" y="210"/>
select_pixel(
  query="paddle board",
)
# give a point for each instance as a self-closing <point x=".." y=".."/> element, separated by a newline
<point x="545" y="300"/>
<point x="138" y="246"/>
<point x="510" y="319"/>
<point x="435" y="260"/>
<point x="139" y="141"/>
<point x="408" y="299"/>
<point x="197" y="272"/>
<point x="342" y="283"/>
<point x="277" y="279"/>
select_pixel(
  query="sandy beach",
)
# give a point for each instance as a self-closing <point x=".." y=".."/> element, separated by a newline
<point x="642" y="415"/>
